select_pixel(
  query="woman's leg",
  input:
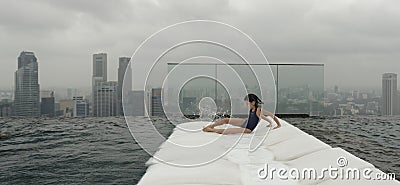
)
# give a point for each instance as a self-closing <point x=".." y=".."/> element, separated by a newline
<point x="232" y="121"/>
<point x="228" y="130"/>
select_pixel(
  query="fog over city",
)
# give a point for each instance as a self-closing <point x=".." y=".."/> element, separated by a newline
<point x="357" y="40"/>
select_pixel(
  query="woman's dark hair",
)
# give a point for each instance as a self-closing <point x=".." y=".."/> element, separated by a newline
<point x="252" y="97"/>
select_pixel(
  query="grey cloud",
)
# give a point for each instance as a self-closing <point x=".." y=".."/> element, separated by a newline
<point x="357" y="34"/>
<point x="33" y="17"/>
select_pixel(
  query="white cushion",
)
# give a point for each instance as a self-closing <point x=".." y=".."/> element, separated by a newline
<point x="189" y="156"/>
<point x="195" y="125"/>
<point x="296" y="147"/>
<point x="323" y="159"/>
<point x="282" y="134"/>
<point x="196" y="139"/>
<point x="218" y="172"/>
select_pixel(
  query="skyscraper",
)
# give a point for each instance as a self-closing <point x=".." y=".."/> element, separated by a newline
<point x="81" y="107"/>
<point x="123" y="91"/>
<point x="27" y="86"/>
<point x="389" y="94"/>
<point x="105" y="99"/>
<point x="100" y="66"/>
<point x="47" y="106"/>
<point x="6" y="108"/>
<point x="98" y="78"/>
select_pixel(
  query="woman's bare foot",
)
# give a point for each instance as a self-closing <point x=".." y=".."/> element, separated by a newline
<point x="209" y="126"/>
<point x="276" y="127"/>
<point x="208" y="129"/>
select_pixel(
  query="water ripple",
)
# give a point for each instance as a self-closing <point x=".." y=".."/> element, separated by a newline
<point x="70" y="151"/>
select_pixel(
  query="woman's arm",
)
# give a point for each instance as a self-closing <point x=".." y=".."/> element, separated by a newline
<point x="272" y="116"/>
<point x="261" y="115"/>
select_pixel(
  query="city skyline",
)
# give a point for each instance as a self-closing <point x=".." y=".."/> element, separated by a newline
<point x="123" y="61"/>
<point x="115" y="76"/>
<point x="113" y="71"/>
<point x="106" y="96"/>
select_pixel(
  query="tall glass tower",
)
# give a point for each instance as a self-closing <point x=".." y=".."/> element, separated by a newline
<point x="389" y="94"/>
<point x="124" y="69"/>
<point x="100" y="66"/>
<point x="99" y="77"/>
<point x="27" y="86"/>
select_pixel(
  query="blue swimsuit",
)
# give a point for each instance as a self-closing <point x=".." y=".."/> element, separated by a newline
<point x="252" y="121"/>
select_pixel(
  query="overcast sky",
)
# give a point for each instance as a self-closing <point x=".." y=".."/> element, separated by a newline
<point x="357" y="40"/>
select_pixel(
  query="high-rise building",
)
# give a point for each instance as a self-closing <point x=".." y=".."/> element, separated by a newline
<point x="389" y="94"/>
<point x="105" y="99"/>
<point x="47" y="105"/>
<point x="100" y="66"/>
<point x="27" y="86"/>
<point x="99" y="77"/>
<point x="124" y="69"/>
<point x="81" y="107"/>
<point x="6" y="108"/>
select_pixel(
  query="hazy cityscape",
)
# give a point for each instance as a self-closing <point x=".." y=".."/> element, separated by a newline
<point x="104" y="99"/>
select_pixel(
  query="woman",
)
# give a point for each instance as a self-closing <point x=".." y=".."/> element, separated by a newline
<point x="247" y="125"/>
